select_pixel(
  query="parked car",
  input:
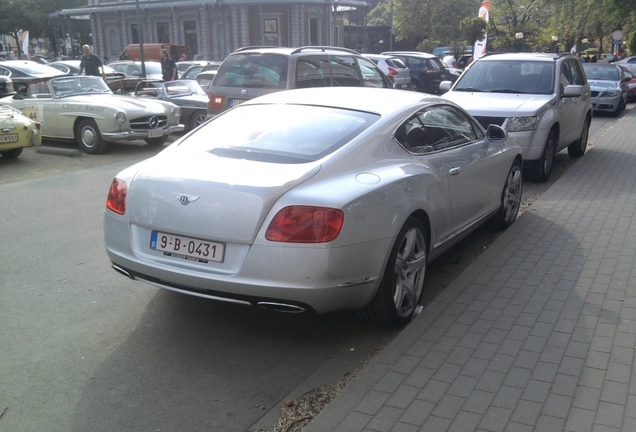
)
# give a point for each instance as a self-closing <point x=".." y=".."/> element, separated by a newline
<point x="84" y="109"/>
<point x="186" y="94"/>
<point x="427" y="71"/>
<point x="313" y="199"/>
<point x="542" y="99"/>
<point x="16" y="132"/>
<point x="190" y="69"/>
<point x="393" y="68"/>
<point x="6" y="87"/>
<point x="250" y="72"/>
<point x="24" y="72"/>
<point x="112" y="77"/>
<point x="631" y="86"/>
<point x="629" y="63"/>
<point x="609" y="85"/>
<point x="204" y="79"/>
<point x="132" y="70"/>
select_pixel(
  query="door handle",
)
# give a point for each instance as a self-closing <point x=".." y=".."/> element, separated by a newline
<point x="454" y="171"/>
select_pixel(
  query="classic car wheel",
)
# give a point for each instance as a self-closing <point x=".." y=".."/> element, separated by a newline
<point x="577" y="148"/>
<point x="541" y="169"/>
<point x="156" y="142"/>
<point x="400" y="290"/>
<point x="89" y="138"/>
<point x="11" y="154"/>
<point x="197" y="118"/>
<point x="510" y="198"/>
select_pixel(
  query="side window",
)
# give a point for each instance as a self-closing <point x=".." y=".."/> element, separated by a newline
<point x="371" y="76"/>
<point x="565" y="77"/>
<point x="4" y="72"/>
<point x="433" y="65"/>
<point x="344" y="72"/>
<point x="578" y="75"/>
<point x="313" y="71"/>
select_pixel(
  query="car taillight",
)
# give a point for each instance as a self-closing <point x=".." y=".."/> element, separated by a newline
<point x="392" y="71"/>
<point x="116" y="200"/>
<point x="305" y="224"/>
<point x="215" y="102"/>
<point x="431" y="72"/>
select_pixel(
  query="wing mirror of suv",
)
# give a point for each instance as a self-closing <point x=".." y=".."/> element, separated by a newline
<point x="445" y="86"/>
<point x="573" y="91"/>
<point x="495" y="133"/>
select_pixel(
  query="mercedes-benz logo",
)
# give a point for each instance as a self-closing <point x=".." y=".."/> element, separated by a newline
<point x="153" y="122"/>
<point x="185" y="199"/>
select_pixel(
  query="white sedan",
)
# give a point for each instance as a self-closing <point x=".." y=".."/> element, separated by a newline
<point x="84" y="109"/>
<point x="316" y="199"/>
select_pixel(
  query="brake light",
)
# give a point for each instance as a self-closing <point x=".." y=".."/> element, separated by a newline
<point x="305" y="224"/>
<point x="215" y="102"/>
<point x="431" y="72"/>
<point x="116" y="201"/>
<point x="392" y="71"/>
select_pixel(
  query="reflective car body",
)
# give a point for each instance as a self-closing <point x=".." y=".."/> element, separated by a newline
<point x="16" y="132"/>
<point x="629" y="63"/>
<point x="186" y="94"/>
<point x="609" y="86"/>
<point x="314" y="199"/>
<point x="427" y="71"/>
<point x="84" y="109"/>
<point x="24" y="72"/>
<point x="393" y="68"/>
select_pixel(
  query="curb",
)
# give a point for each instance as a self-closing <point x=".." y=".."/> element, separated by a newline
<point x="59" y="151"/>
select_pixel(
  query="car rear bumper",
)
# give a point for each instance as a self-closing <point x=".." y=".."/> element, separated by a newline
<point x="139" y="134"/>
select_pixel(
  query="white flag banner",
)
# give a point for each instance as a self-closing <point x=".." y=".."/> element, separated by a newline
<point x="25" y="43"/>
<point x="480" y="45"/>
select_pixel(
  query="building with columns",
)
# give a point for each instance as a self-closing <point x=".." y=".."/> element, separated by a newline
<point x="211" y="29"/>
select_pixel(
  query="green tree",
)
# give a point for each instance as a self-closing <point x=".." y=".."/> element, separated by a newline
<point x="472" y="29"/>
<point x="18" y="16"/>
<point x="380" y="15"/>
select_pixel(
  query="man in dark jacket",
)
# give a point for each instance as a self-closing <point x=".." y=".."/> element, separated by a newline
<point x="168" y="66"/>
<point x="90" y="63"/>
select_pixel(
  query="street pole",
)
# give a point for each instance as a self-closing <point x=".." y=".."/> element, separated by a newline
<point x="140" y="36"/>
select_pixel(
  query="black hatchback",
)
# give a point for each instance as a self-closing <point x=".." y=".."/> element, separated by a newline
<point x="427" y="70"/>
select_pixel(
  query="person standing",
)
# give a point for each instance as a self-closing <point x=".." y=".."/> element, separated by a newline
<point x="90" y="63"/>
<point x="168" y="66"/>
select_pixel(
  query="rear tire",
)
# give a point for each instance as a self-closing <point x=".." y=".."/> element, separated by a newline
<point x="88" y="137"/>
<point x="510" y="199"/>
<point x="400" y="290"/>
<point x="540" y="170"/>
<point x="11" y="154"/>
<point x="578" y="147"/>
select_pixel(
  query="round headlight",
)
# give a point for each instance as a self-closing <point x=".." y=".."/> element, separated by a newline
<point x="176" y="112"/>
<point x="120" y="117"/>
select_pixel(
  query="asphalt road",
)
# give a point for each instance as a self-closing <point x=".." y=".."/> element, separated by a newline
<point x="84" y="348"/>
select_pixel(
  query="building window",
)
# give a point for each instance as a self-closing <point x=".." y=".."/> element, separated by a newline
<point x="134" y="33"/>
<point x="163" y="32"/>
<point x="270" y="32"/>
<point x="313" y="31"/>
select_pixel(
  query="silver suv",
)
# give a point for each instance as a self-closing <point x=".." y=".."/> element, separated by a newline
<point x="255" y="71"/>
<point x="542" y="99"/>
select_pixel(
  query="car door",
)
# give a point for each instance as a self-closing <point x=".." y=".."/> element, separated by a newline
<point x="470" y="164"/>
<point x="573" y="109"/>
<point x="38" y="105"/>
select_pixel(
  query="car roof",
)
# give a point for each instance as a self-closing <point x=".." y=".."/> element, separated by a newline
<point x="411" y="53"/>
<point x="524" y="56"/>
<point x="293" y="51"/>
<point x="368" y="99"/>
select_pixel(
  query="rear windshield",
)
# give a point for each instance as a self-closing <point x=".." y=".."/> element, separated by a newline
<point x="253" y="70"/>
<point x="508" y="76"/>
<point x="279" y="133"/>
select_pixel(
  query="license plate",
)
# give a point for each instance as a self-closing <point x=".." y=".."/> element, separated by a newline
<point x="9" y="138"/>
<point x="235" y="102"/>
<point x="155" y="133"/>
<point x="187" y="248"/>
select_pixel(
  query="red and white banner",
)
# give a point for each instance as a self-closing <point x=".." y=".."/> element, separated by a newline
<point x="480" y="45"/>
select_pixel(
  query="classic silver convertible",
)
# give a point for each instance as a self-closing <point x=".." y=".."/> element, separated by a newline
<point x="84" y="109"/>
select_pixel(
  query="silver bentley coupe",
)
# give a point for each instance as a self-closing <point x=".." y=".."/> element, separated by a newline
<point x="317" y="200"/>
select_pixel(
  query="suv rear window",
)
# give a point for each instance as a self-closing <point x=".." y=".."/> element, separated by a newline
<point x="253" y="70"/>
<point x="508" y="76"/>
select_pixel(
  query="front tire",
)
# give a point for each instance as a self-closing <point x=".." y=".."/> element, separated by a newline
<point x="400" y="290"/>
<point x="541" y="169"/>
<point x="11" y="154"/>
<point x="578" y="147"/>
<point x="510" y="199"/>
<point x="88" y="137"/>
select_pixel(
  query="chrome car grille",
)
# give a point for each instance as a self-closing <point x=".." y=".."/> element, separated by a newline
<point x="150" y="122"/>
<point x="487" y="121"/>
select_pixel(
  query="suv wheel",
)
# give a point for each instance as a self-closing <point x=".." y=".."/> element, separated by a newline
<point x="541" y="169"/>
<point x="577" y="148"/>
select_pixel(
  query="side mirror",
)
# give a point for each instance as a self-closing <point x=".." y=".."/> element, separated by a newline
<point x="495" y="133"/>
<point x="445" y="86"/>
<point x="573" y="91"/>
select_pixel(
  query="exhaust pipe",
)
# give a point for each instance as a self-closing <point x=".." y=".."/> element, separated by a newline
<point x="122" y="271"/>
<point x="281" y="307"/>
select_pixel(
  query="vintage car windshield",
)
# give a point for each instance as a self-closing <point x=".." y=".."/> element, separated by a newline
<point x="508" y="76"/>
<point x="78" y="85"/>
<point x="182" y="88"/>
<point x="278" y="133"/>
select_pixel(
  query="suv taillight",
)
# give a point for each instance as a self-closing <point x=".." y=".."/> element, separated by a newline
<point x="215" y="102"/>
